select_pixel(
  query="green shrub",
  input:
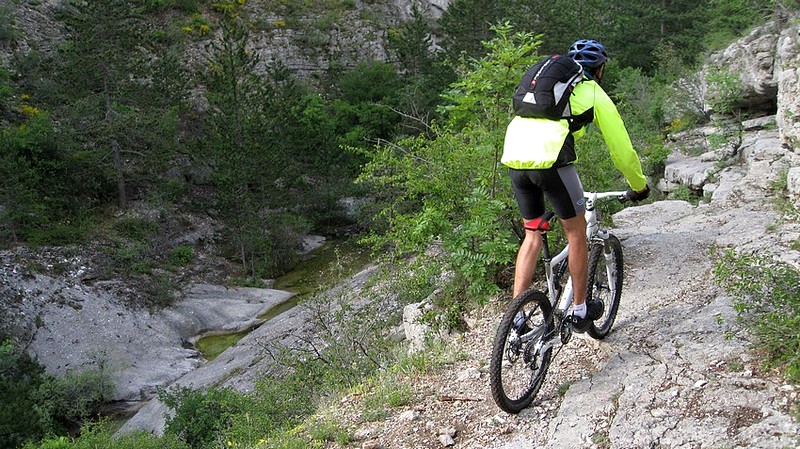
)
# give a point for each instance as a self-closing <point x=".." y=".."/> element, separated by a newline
<point x="683" y="193"/>
<point x="202" y="416"/>
<point x="23" y="417"/>
<point x="6" y="91"/>
<point x="449" y="187"/>
<point x="781" y="199"/>
<point x="76" y="397"/>
<point x="725" y="90"/>
<point x="187" y="6"/>
<point x="640" y="100"/>
<point x="61" y="233"/>
<point x="768" y="301"/>
<point x="654" y="160"/>
<point x="54" y="443"/>
<point x="100" y="435"/>
<point x="34" y="404"/>
<point x="169" y="191"/>
<point x="132" y="258"/>
<point x="266" y="248"/>
<point x="139" y="229"/>
<point x="279" y="404"/>
<point x="39" y="188"/>
<point x="181" y="255"/>
<point x="330" y="430"/>
<point x="160" y="292"/>
<point x="8" y="31"/>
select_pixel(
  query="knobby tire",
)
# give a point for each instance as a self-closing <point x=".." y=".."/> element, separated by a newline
<point x="605" y="272"/>
<point x="516" y="372"/>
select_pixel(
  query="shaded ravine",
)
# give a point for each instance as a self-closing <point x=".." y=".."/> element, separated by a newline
<point x="242" y="364"/>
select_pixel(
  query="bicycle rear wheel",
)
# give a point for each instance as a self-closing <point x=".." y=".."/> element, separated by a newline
<point x="519" y="362"/>
<point x="605" y="283"/>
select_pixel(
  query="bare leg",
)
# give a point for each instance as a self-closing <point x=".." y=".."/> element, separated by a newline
<point x="575" y="230"/>
<point x="527" y="256"/>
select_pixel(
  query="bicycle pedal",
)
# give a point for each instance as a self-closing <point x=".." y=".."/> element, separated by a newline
<point x="566" y="331"/>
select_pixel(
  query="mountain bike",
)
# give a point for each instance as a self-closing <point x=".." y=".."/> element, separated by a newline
<point x="535" y="321"/>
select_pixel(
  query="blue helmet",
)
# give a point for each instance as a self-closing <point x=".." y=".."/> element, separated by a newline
<point x="589" y="53"/>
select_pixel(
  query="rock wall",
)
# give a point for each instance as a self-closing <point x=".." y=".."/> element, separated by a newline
<point x="753" y="59"/>
<point x="310" y="45"/>
<point x="787" y="71"/>
<point x="358" y="35"/>
<point x="34" y="25"/>
<point x="767" y="62"/>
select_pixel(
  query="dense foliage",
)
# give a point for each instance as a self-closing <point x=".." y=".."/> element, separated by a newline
<point x="165" y="103"/>
<point x="120" y="113"/>
<point x="36" y="404"/>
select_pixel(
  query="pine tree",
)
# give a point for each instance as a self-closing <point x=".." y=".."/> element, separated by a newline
<point x="99" y="82"/>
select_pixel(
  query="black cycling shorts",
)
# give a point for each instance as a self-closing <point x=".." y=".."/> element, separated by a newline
<point x="561" y="186"/>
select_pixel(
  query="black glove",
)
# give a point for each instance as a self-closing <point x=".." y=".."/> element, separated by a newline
<point x="635" y="196"/>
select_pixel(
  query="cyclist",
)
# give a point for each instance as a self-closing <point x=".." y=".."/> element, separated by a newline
<point x="540" y="154"/>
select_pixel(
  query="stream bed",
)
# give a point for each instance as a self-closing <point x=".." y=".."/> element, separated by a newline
<point x="332" y="261"/>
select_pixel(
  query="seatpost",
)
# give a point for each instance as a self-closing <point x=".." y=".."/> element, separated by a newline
<point x="542" y="225"/>
<point x="545" y="247"/>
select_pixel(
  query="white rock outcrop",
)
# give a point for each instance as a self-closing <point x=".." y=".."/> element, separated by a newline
<point x="787" y="72"/>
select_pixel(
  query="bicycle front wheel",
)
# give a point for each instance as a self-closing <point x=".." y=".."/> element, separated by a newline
<point x="605" y="283"/>
<point x="520" y="357"/>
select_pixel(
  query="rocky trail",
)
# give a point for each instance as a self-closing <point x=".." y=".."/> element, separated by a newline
<point x="677" y="371"/>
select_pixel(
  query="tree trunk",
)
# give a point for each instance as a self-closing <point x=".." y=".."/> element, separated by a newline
<point x="122" y="198"/>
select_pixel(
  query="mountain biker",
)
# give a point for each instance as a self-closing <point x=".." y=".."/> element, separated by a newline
<point x="540" y="153"/>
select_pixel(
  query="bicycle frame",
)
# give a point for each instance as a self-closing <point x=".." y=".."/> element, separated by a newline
<point x="556" y="266"/>
<point x="538" y="324"/>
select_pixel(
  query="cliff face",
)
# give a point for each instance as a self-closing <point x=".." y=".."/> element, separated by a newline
<point x="306" y="42"/>
<point x="787" y="72"/>
<point x="767" y="64"/>
<point x="28" y="27"/>
<point x="357" y="34"/>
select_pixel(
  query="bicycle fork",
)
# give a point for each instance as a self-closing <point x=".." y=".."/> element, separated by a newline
<point x="608" y="255"/>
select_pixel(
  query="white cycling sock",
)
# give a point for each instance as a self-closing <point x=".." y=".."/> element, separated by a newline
<point x="579" y="310"/>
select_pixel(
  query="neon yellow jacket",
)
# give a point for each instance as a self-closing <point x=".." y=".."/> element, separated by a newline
<point x="536" y="143"/>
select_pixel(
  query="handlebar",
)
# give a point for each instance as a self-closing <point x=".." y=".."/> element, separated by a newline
<point x="620" y="195"/>
<point x="540" y="223"/>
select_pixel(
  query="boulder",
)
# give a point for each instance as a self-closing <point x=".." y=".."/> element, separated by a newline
<point x="416" y="331"/>
<point x="692" y="172"/>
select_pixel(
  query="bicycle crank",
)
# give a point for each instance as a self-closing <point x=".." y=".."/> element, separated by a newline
<point x="566" y="330"/>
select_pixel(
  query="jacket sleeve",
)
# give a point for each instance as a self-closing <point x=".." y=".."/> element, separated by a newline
<point x="625" y="159"/>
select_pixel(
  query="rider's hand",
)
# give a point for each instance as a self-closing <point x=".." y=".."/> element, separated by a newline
<point x="635" y="196"/>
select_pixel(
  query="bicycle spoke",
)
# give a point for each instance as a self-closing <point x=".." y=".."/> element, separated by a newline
<point x="519" y="360"/>
<point x="605" y="283"/>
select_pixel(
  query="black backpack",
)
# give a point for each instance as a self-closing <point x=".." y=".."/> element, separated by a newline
<point x="545" y="88"/>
